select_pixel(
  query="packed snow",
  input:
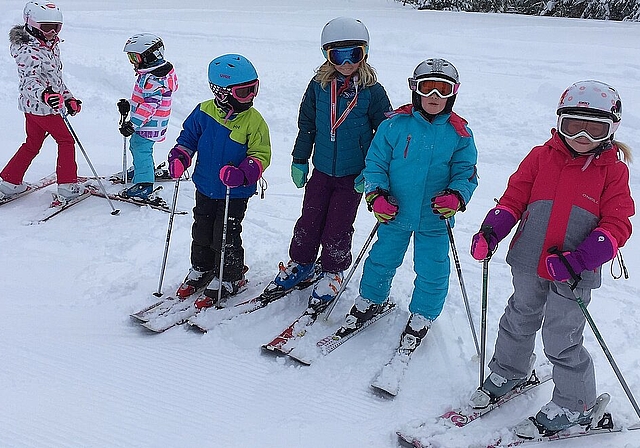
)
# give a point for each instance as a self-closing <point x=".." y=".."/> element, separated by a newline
<point x="77" y="372"/>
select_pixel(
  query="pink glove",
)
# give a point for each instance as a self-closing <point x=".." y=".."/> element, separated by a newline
<point x="179" y="160"/>
<point x="496" y="225"/>
<point x="447" y="203"/>
<point x="73" y="106"/>
<point x="247" y="173"/>
<point x="53" y="99"/>
<point x="383" y="205"/>
<point x="597" y="248"/>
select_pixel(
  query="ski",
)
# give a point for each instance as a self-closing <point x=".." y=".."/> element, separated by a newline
<point x="529" y="431"/>
<point x="57" y="206"/>
<point x="210" y="317"/>
<point x="387" y="381"/>
<point x="160" y="204"/>
<point x="31" y="187"/>
<point x="161" y="175"/>
<point x="288" y="338"/>
<point x="173" y="311"/>
<point x="464" y="415"/>
<point x="306" y="355"/>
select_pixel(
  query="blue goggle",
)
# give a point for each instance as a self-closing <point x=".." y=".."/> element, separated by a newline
<point x="342" y="55"/>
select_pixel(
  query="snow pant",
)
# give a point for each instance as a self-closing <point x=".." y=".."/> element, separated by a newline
<point x="142" y="152"/>
<point x="542" y="303"/>
<point x="206" y="234"/>
<point x="37" y="128"/>
<point x="430" y="263"/>
<point x="329" y="209"/>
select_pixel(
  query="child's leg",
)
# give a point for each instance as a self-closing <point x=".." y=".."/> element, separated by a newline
<point x="308" y="229"/>
<point x="338" y="228"/>
<point x="142" y="152"/>
<point x="521" y="320"/>
<point x="432" y="267"/>
<point x="203" y="256"/>
<point x="66" y="168"/>
<point x="234" y="252"/>
<point x="384" y="258"/>
<point x="562" y="335"/>
<point x="14" y="171"/>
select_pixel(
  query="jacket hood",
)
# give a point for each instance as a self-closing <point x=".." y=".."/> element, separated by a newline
<point x="18" y="35"/>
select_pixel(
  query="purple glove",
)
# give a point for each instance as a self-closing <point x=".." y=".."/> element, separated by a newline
<point x="179" y="160"/>
<point x="247" y="173"/>
<point x="597" y="248"/>
<point x="383" y="205"/>
<point x="447" y="203"/>
<point x="496" y="225"/>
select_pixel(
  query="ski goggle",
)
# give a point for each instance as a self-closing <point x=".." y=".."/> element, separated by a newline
<point x="244" y="93"/>
<point x="596" y="129"/>
<point x="134" y="58"/>
<point x="342" y="55"/>
<point x="428" y="86"/>
<point x="50" y="29"/>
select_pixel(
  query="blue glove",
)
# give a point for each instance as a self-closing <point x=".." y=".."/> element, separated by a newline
<point x="358" y="183"/>
<point x="299" y="173"/>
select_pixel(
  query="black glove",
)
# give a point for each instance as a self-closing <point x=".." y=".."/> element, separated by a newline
<point x="73" y="106"/>
<point x="124" y="107"/>
<point x="127" y="129"/>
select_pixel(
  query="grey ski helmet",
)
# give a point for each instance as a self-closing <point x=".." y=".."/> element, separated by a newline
<point x="436" y="68"/>
<point x="37" y="15"/>
<point x="344" y="30"/>
<point x="149" y="46"/>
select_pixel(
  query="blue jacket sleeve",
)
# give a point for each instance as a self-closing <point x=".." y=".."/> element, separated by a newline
<point x="380" y="105"/>
<point x="191" y="131"/>
<point x="464" y="178"/>
<point x="306" y="125"/>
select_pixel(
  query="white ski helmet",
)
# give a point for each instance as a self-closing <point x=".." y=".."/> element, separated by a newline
<point x="35" y="14"/>
<point x="344" y="29"/>
<point x="436" y="68"/>
<point x="592" y="98"/>
<point x="149" y="46"/>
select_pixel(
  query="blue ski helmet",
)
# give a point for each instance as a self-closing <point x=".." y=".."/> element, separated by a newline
<point x="230" y="70"/>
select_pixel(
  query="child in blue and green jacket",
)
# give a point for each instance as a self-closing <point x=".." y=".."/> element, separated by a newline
<point x="234" y="148"/>
<point x="420" y="170"/>
<point x="340" y="111"/>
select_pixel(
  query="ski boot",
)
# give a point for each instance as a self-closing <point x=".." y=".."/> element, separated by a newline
<point x="325" y="291"/>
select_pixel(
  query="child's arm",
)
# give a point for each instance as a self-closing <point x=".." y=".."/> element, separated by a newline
<point x="146" y="103"/>
<point x="376" y="170"/>
<point x="306" y="137"/>
<point x="379" y="106"/>
<point x="464" y="179"/>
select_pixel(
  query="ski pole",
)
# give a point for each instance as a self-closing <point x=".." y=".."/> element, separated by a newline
<point x="63" y="112"/>
<point x="224" y="243"/>
<point x="462" y="287"/>
<point x="483" y="323"/>
<point x="576" y="279"/>
<point x="158" y="293"/>
<point x="124" y="107"/>
<point x="353" y="268"/>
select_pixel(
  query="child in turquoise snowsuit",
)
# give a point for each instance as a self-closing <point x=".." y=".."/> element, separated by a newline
<point x="420" y="170"/>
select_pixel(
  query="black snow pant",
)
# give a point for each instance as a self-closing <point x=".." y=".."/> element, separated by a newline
<point x="206" y="234"/>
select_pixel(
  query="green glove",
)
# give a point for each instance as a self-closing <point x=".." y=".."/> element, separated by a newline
<point x="358" y="183"/>
<point x="299" y="173"/>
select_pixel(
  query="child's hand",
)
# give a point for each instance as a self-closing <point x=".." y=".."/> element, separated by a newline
<point x="73" y="106"/>
<point x="53" y="99"/>
<point x="231" y="176"/>
<point x="446" y="204"/>
<point x="383" y="205"/>
<point x="127" y="129"/>
<point x="358" y="183"/>
<point x="483" y="243"/>
<point x="299" y="173"/>
<point x="247" y="173"/>
<point x="179" y="160"/>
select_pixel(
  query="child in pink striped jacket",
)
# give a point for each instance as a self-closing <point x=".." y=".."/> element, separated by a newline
<point x="150" y="108"/>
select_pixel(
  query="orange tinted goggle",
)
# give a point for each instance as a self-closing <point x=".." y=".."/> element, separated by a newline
<point x="428" y="86"/>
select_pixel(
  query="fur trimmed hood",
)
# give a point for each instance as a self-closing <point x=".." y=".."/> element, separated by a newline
<point x="18" y="35"/>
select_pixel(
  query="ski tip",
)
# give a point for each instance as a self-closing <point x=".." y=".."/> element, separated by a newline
<point x="382" y="392"/>
<point x="115" y="212"/>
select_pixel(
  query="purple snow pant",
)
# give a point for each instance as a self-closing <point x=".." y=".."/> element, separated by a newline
<point x="542" y="303"/>
<point x="328" y="211"/>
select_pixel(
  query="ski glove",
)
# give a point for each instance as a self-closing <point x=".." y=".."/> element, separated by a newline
<point x="179" y="160"/>
<point x="382" y="204"/>
<point x="495" y="227"/>
<point x="127" y="129"/>
<point x="596" y="249"/>
<point x="73" y="106"/>
<point x="53" y="99"/>
<point x="124" y="107"/>
<point x="299" y="173"/>
<point x="447" y="203"/>
<point x="358" y="183"/>
<point x="247" y="173"/>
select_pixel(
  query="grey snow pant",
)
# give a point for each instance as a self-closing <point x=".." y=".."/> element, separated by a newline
<point x="533" y="300"/>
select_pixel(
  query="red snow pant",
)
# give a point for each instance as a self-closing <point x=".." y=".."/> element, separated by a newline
<point x="37" y="128"/>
